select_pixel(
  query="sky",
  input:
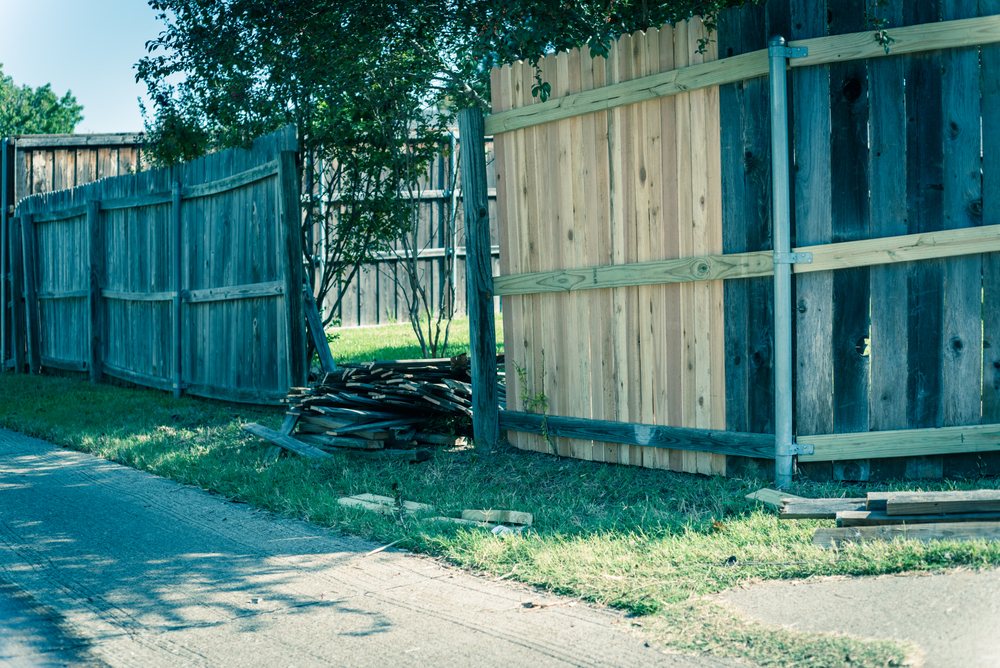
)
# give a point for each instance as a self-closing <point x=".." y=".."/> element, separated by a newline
<point x="85" y="46"/>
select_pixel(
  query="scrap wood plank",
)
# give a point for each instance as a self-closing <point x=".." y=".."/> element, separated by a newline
<point x="876" y="500"/>
<point x="382" y="504"/>
<point x="857" y="518"/>
<point x="933" y="503"/>
<point x="771" y="497"/>
<point x="834" y="537"/>
<point x="287" y="442"/>
<point x="402" y="455"/>
<point x="459" y="520"/>
<point x="498" y="516"/>
<point x="817" y="509"/>
<point x="343" y="442"/>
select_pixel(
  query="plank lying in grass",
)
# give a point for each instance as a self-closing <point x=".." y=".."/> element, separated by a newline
<point x="876" y="500"/>
<point x="324" y="441"/>
<point x="381" y="504"/>
<point x="817" y="509"/>
<point x="286" y="442"/>
<point x="860" y="518"/>
<point x="400" y="455"/>
<point x="498" y="516"/>
<point x="459" y="520"/>
<point x="935" y="503"/>
<point x="835" y="537"/>
<point x="770" y="497"/>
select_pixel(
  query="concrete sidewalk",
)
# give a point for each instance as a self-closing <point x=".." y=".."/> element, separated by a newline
<point x="122" y="568"/>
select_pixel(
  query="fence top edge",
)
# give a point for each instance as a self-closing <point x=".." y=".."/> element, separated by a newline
<point x="859" y="46"/>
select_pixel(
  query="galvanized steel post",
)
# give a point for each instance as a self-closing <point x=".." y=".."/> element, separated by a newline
<point x="778" y="55"/>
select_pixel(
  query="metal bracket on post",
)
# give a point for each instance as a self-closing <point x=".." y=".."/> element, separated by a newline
<point x="802" y="448"/>
<point x="793" y="258"/>
<point x="787" y="51"/>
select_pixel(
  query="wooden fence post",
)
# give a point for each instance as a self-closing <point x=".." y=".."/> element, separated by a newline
<point x="96" y="261"/>
<point x="178" y="383"/>
<point x="16" y="295"/>
<point x="479" y="278"/>
<point x="290" y="226"/>
<point x="31" y="292"/>
<point x="5" y="297"/>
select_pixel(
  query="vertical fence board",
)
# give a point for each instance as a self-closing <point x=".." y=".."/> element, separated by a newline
<point x="850" y="220"/>
<point x="990" y="91"/>
<point x="812" y="199"/>
<point x="961" y="384"/>
<point x="887" y="170"/>
<point x="925" y="179"/>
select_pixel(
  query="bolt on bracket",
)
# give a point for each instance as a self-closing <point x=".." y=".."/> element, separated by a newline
<point x="793" y="258"/>
<point x="788" y="51"/>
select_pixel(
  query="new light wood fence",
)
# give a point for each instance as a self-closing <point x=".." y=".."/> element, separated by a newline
<point x="186" y="278"/>
<point x="635" y="213"/>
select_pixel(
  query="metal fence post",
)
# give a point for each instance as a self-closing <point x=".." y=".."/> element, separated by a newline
<point x="784" y="446"/>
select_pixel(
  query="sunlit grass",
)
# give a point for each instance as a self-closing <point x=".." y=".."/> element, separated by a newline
<point x="653" y="543"/>
<point x="397" y="341"/>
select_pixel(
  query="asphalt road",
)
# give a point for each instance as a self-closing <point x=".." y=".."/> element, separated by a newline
<point x="101" y="564"/>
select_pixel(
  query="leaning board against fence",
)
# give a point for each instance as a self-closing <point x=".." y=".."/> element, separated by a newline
<point x="184" y="278"/>
<point x="895" y="191"/>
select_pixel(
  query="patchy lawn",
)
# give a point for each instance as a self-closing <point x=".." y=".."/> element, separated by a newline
<point x="653" y="544"/>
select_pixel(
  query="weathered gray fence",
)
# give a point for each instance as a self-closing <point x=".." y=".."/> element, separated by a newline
<point x="33" y="164"/>
<point x="186" y="278"/>
<point x="377" y="293"/>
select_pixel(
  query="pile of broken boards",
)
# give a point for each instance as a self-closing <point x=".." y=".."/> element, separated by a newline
<point x="923" y="516"/>
<point x="397" y="409"/>
<point x="497" y="521"/>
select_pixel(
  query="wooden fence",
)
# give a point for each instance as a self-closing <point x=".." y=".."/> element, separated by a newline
<point x="377" y="293"/>
<point x="635" y="231"/>
<point x="185" y="278"/>
<point x="33" y="164"/>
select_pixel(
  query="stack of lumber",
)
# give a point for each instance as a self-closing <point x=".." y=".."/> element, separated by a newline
<point x="398" y="404"/>
<point x="367" y="409"/>
<point x="921" y="516"/>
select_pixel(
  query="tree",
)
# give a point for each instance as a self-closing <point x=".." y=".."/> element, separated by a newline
<point x="38" y="111"/>
<point x="350" y="75"/>
<point x="371" y="87"/>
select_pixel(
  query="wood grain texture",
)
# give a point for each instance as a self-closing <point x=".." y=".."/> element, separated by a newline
<point x="935" y="503"/>
<point x="840" y="48"/>
<point x="662" y="272"/>
<point x="961" y="352"/>
<point x="812" y="224"/>
<point x="850" y="222"/>
<point x="479" y="280"/>
<point x="861" y="518"/>
<point x="644" y="435"/>
<point x="990" y="100"/>
<point x="887" y="211"/>
<point x="904" y="443"/>
<point x="958" y="531"/>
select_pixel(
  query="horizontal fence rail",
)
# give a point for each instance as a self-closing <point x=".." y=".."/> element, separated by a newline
<point x="822" y="50"/>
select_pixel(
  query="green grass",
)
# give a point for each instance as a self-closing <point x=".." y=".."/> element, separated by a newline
<point x="397" y="341"/>
<point x="654" y="544"/>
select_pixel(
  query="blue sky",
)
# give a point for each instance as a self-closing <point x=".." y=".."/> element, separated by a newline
<point x="86" y="46"/>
